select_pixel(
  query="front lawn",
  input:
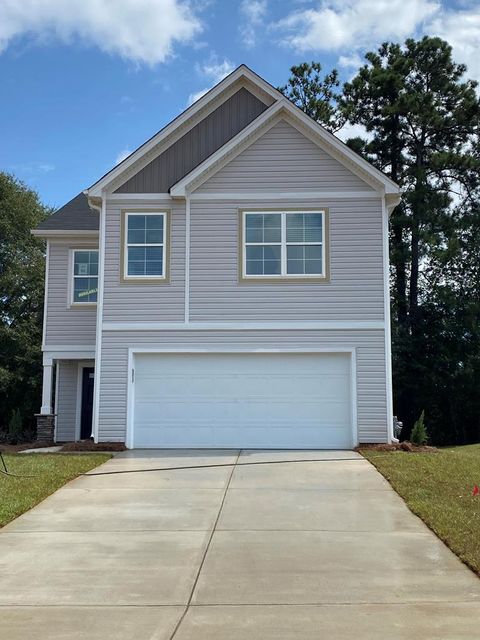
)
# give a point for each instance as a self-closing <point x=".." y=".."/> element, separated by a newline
<point x="438" y="488"/>
<point x="49" y="471"/>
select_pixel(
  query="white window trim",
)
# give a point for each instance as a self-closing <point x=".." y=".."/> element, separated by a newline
<point x="71" y="277"/>
<point x="163" y="244"/>
<point x="283" y="247"/>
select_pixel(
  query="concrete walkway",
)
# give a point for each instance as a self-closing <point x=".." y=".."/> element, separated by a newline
<point x="245" y="551"/>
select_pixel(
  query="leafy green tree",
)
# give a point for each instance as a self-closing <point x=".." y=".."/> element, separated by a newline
<point x="317" y="96"/>
<point x="419" y="434"/>
<point x="423" y="120"/>
<point x="21" y="302"/>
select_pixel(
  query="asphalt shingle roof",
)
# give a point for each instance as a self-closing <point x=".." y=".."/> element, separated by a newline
<point x="76" y="215"/>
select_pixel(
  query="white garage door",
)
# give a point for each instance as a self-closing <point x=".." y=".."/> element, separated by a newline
<point x="242" y="400"/>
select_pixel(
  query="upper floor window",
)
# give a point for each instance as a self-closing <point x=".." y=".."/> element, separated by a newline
<point x="145" y="245"/>
<point x="85" y="276"/>
<point x="284" y="244"/>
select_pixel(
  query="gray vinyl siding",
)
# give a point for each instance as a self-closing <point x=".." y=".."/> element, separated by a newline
<point x="152" y="302"/>
<point x="66" y="401"/>
<point x="65" y="325"/>
<point x="370" y="353"/>
<point x="195" y="146"/>
<point x="355" y="290"/>
<point x="283" y="159"/>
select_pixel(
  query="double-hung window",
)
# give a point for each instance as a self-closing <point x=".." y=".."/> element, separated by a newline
<point x="284" y="244"/>
<point x="145" y="236"/>
<point x="85" y="276"/>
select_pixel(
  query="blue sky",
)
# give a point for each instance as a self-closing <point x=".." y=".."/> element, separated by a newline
<point x="82" y="87"/>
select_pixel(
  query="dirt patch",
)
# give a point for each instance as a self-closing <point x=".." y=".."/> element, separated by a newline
<point x="88" y="445"/>
<point x="399" y="446"/>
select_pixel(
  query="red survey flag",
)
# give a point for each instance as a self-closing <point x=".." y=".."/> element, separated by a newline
<point x="475" y="491"/>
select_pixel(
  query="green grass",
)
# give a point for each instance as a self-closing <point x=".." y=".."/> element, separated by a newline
<point x="438" y="488"/>
<point x="50" y="472"/>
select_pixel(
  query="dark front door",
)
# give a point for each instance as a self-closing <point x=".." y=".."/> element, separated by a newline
<point x="88" y="379"/>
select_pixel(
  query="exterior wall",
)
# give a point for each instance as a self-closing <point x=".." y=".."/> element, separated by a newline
<point x="65" y="325"/>
<point x="355" y="290"/>
<point x="195" y="146"/>
<point x="283" y="159"/>
<point x="371" y="375"/>
<point x="66" y="400"/>
<point x="151" y="302"/>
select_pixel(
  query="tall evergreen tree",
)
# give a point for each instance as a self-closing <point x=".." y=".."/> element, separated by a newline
<point x="317" y="96"/>
<point x="423" y="119"/>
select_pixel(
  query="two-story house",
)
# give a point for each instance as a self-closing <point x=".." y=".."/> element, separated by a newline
<point x="224" y="286"/>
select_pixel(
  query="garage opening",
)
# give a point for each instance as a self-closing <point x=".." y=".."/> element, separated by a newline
<point x="242" y="400"/>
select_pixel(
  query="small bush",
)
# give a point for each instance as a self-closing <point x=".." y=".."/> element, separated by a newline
<point x="15" y="426"/>
<point x="419" y="435"/>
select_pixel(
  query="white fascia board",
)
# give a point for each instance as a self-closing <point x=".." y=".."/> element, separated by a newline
<point x="56" y="233"/>
<point x="332" y="145"/>
<point x="242" y="72"/>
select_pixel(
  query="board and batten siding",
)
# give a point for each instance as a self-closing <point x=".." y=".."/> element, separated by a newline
<point x="66" y="402"/>
<point x="355" y="290"/>
<point x="283" y="159"/>
<point x="67" y="325"/>
<point x="131" y="301"/>
<point x="196" y="145"/>
<point x="371" y="377"/>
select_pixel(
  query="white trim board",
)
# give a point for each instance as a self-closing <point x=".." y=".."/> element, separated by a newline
<point x="132" y="351"/>
<point x="98" y="341"/>
<point x="346" y="325"/>
<point x="287" y="195"/>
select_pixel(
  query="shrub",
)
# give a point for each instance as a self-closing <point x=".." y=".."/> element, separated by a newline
<point x="15" y="426"/>
<point x="419" y="435"/>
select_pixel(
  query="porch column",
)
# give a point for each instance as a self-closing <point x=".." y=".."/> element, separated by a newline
<point x="46" y="408"/>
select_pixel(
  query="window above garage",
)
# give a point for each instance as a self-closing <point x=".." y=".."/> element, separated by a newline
<point x="145" y="246"/>
<point x="284" y="245"/>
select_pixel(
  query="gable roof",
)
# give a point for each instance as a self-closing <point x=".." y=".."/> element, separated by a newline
<point x="242" y="76"/>
<point x="76" y="215"/>
<point x="284" y="109"/>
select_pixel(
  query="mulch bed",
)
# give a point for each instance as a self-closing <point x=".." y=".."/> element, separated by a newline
<point x="88" y="445"/>
<point x="399" y="446"/>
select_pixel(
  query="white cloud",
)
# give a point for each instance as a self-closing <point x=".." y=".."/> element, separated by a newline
<point x="33" y="168"/>
<point x="253" y="13"/>
<point x="215" y="71"/>
<point x="349" y="27"/>
<point x="353" y="131"/>
<point x="344" y="24"/>
<point x="122" y="155"/>
<point x="462" y="30"/>
<point x="143" y="31"/>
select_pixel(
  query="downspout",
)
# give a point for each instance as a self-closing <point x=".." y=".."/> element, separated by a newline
<point x="100" y="204"/>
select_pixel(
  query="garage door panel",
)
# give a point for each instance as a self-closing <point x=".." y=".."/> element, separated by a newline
<point x="242" y="400"/>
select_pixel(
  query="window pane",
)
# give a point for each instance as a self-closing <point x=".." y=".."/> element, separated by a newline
<point x="263" y="260"/>
<point x="136" y="222"/>
<point x="85" y="289"/>
<point x="304" y="227"/>
<point x="313" y="252"/>
<point x="254" y="253"/>
<point x="85" y="263"/>
<point x="313" y="267"/>
<point x="145" y="261"/>
<point x="305" y="259"/>
<point x="263" y="227"/>
<point x="154" y="222"/>
<point x="154" y="236"/>
<point x="136" y="236"/>
<point x="136" y="254"/>
<point x="295" y="267"/>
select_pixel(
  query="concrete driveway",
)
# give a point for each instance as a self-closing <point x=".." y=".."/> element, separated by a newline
<point x="272" y="551"/>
